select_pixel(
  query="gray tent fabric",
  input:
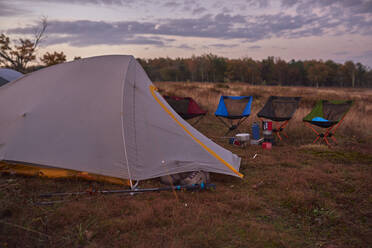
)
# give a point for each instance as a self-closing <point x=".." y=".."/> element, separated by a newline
<point x="102" y="115"/>
<point x="3" y="81"/>
<point x="8" y="75"/>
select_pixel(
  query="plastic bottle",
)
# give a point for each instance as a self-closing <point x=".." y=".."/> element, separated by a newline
<point x="268" y="134"/>
<point x="255" y="131"/>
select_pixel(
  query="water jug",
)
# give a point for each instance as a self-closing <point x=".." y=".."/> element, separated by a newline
<point x="255" y="131"/>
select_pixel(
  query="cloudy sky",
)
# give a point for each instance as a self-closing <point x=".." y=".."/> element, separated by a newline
<point x="305" y="29"/>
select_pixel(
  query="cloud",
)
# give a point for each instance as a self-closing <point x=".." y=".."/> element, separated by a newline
<point x="220" y="45"/>
<point x="88" y="33"/>
<point x="171" y="4"/>
<point x="9" y="10"/>
<point x="95" y="2"/>
<point x="278" y="47"/>
<point x="263" y="3"/>
<point x="340" y="53"/>
<point x="81" y="41"/>
<point x="365" y="58"/>
<point x="351" y="6"/>
<point x="185" y="46"/>
<point x="254" y="47"/>
<point x="226" y="10"/>
<point x="330" y="19"/>
<point x="365" y="55"/>
<point x="224" y="26"/>
<point x="199" y="10"/>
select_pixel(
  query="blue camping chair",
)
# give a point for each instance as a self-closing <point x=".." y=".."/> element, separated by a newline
<point x="234" y="109"/>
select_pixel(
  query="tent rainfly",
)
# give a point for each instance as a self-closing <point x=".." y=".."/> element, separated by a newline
<point x="8" y="75"/>
<point x="102" y="115"/>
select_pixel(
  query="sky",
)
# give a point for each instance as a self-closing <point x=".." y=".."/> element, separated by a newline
<point x="340" y="30"/>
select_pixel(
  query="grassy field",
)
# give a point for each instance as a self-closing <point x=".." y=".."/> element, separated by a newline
<point x="295" y="195"/>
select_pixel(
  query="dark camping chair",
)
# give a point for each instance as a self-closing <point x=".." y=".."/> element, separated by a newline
<point x="280" y="110"/>
<point x="186" y="107"/>
<point x="235" y="109"/>
<point x="329" y="115"/>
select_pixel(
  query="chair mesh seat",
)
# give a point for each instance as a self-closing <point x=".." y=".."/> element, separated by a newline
<point x="279" y="108"/>
<point x="186" y="107"/>
<point x="331" y="111"/>
<point x="234" y="107"/>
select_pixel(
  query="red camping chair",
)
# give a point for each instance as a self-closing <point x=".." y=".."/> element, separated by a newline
<point x="186" y="107"/>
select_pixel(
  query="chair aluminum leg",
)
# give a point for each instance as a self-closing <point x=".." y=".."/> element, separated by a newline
<point x="317" y="133"/>
<point x="323" y="137"/>
<point x="279" y="129"/>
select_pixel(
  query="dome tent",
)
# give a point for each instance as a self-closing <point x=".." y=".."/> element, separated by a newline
<point x="8" y="75"/>
<point x="102" y="115"/>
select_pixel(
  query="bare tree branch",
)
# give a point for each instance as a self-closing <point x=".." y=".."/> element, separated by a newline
<point x="40" y="31"/>
<point x="24" y="51"/>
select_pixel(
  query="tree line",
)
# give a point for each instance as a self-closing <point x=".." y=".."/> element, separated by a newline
<point x="269" y="71"/>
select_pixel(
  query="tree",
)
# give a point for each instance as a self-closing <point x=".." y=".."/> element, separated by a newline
<point x="53" y="58"/>
<point x="235" y="70"/>
<point x="281" y="70"/>
<point x="213" y="68"/>
<point x="268" y="69"/>
<point x="333" y="75"/>
<point x="361" y="72"/>
<point x="317" y="73"/>
<point x="296" y="73"/>
<point x="191" y="66"/>
<point x="349" y="70"/>
<point x="19" y="55"/>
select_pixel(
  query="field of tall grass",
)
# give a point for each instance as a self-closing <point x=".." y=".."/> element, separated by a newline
<point x="295" y="195"/>
<point x="357" y="123"/>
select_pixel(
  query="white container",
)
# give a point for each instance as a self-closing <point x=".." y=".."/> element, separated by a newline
<point x="242" y="137"/>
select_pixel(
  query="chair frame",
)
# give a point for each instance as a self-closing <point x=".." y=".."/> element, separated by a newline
<point x="279" y="127"/>
<point x="231" y="124"/>
<point x="329" y="133"/>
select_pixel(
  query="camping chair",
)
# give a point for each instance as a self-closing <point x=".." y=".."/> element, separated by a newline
<point x="186" y="107"/>
<point x="236" y="109"/>
<point x="329" y="115"/>
<point x="280" y="110"/>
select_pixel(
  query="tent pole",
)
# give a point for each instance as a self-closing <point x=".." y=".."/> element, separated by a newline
<point x="131" y="183"/>
<point x="201" y="186"/>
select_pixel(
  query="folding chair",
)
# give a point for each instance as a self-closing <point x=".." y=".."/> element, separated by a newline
<point x="280" y="110"/>
<point x="234" y="109"/>
<point x="186" y="107"/>
<point x="329" y="115"/>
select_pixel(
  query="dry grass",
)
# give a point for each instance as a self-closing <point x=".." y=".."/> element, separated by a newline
<point x="296" y="195"/>
<point x="356" y="123"/>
